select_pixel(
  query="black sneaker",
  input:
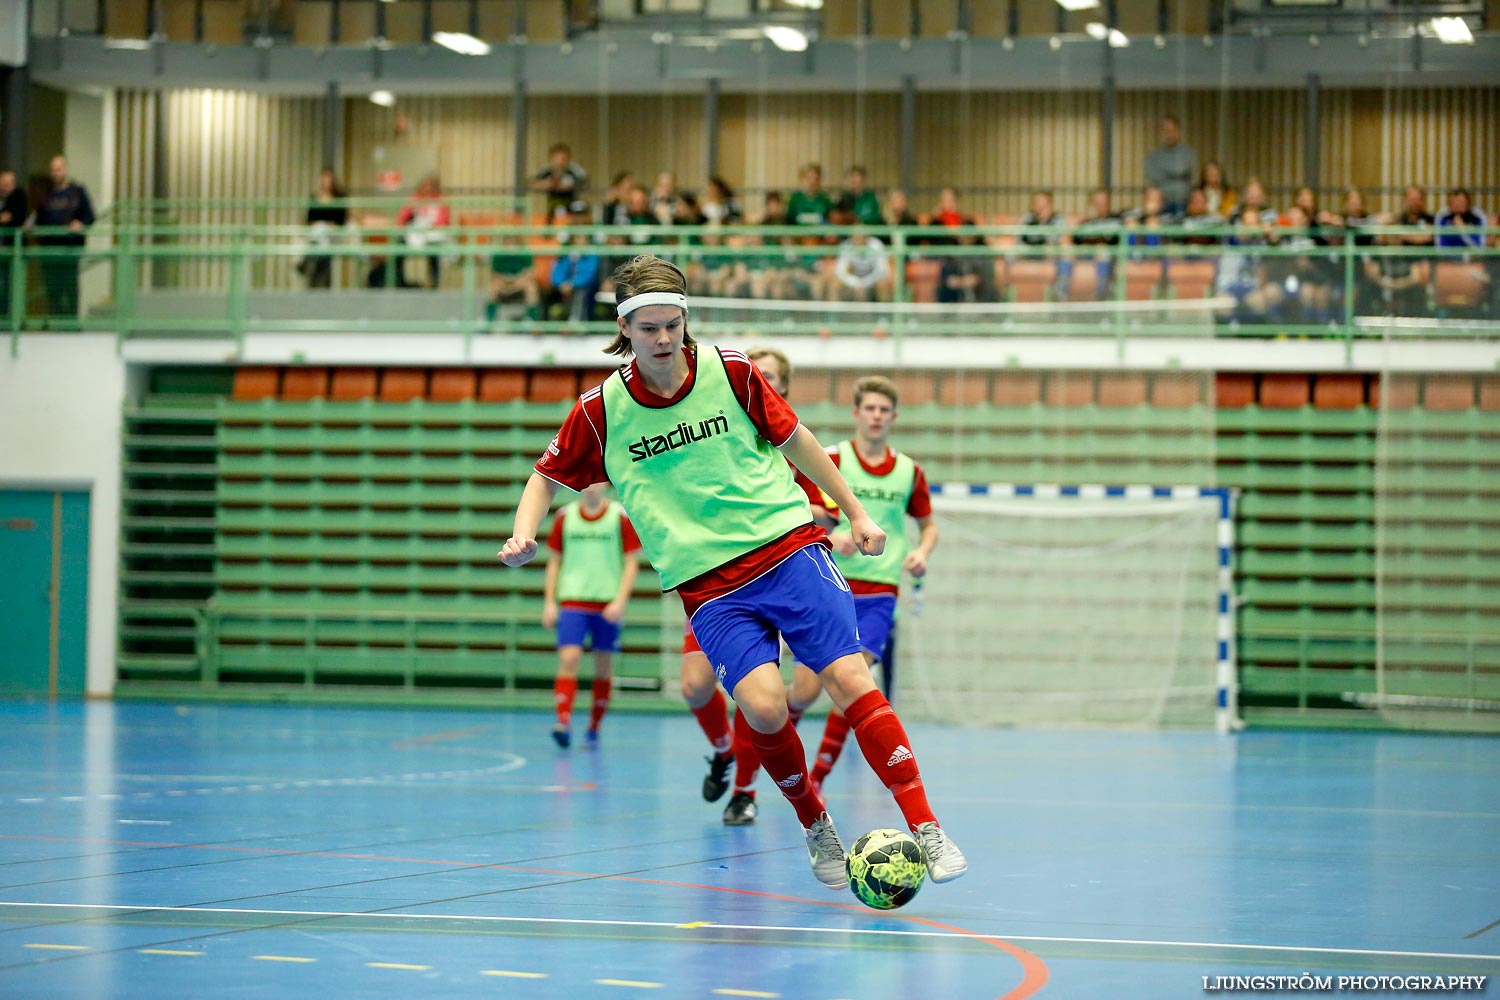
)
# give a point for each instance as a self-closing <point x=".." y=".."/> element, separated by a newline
<point x="741" y="810"/>
<point x="716" y="782"/>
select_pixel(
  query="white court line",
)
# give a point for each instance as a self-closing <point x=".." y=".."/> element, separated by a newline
<point x="1299" y="949"/>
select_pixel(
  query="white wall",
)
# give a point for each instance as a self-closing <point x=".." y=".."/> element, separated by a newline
<point x="61" y="405"/>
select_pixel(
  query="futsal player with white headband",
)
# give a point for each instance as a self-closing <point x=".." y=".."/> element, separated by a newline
<point x="693" y="440"/>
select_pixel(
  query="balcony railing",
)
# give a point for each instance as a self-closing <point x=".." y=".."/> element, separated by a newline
<point x="226" y="280"/>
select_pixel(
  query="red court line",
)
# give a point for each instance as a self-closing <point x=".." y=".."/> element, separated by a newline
<point x="451" y="734"/>
<point x="1034" y="970"/>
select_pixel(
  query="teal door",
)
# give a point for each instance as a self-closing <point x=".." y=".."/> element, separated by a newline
<point x="44" y="544"/>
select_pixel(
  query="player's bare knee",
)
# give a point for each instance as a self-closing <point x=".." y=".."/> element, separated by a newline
<point x="846" y="680"/>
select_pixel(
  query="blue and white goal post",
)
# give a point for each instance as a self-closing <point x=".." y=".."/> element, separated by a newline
<point x="1075" y="604"/>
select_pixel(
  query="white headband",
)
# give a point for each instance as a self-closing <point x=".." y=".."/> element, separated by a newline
<point x="635" y="302"/>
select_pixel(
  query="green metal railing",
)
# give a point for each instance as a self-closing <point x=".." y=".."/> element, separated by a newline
<point x="217" y="280"/>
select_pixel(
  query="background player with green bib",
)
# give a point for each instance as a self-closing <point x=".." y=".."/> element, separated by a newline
<point x="590" y="573"/>
<point x="892" y="488"/>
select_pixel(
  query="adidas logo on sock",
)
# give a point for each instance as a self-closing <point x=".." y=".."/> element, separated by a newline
<point x="826" y="758"/>
<point x="790" y="781"/>
<point x="901" y="754"/>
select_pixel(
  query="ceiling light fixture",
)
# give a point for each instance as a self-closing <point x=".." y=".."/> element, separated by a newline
<point x="785" y="38"/>
<point x="1097" y="30"/>
<point x="384" y="98"/>
<point x="1452" y="30"/>
<point x="1117" y="39"/>
<point x="462" y="43"/>
<point x="1078" y="4"/>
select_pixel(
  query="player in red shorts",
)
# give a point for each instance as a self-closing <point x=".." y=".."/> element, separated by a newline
<point x="696" y="444"/>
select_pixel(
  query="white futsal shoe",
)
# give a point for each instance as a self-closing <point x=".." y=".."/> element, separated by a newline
<point x="826" y="852"/>
<point x="945" y="862"/>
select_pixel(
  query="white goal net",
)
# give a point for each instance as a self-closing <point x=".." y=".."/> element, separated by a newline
<point x="1073" y="606"/>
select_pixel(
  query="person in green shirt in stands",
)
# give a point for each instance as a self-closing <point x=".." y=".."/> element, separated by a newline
<point x="809" y="204"/>
<point x="513" y="277"/>
<point x="859" y="200"/>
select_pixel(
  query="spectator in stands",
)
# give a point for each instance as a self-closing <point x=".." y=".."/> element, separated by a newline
<point x="1172" y="167"/>
<point x="1318" y="218"/>
<point x="426" y="219"/>
<point x="664" y="197"/>
<point x="719" y="205"/>
<point x="1456" y="223"/>
<point x="561" y="180"/>
<point x="897" y="211"/>
<point x="947" y="212"/>
<point x="638" y="213"/>
<point x="858" y="200"/>
<point x="1305" y="278"/>
<point x="13" y="212"/>
<point x="1141" y="224"/>
<point x="1254" y="197"/>
<point x="1414" y="213"/>
<point x="1043" y="216"/>
<point x="325" y="216"/>
<point x="616" y="210"/>
<point x="513" y="278"/>
<point x="1397" y="284"/>
<point x="862" y="270"/>
<point x="1100" y="228"/>
<point x="577" y="273"/>
<point x="1200" y="216"/>
<point x="967" y="279"/>
<point x="810" y="204"/>
<point x="66" y="206"/>
<point x="1356" y="216"/>
<point x="1239" y="272"/>
<point x="1222" y="199"/>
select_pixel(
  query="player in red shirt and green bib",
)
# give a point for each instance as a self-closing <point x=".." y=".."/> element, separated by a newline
<point x="695" y="441"/>
<point x="892" y="487"/>
<point x="590" y="574"/>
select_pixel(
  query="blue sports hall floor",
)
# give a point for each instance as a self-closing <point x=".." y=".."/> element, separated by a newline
<point x="160" y="851"/>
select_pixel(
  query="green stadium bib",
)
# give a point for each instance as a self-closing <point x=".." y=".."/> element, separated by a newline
<point x="593" y="562"/>
<point x="885" y="499"/>
<point x="700" y="484"/>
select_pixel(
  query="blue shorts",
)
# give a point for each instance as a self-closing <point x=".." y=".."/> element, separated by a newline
<point x="877" y="615"/>
<point x="573" y="626"/>
<point x="804" y="598"/>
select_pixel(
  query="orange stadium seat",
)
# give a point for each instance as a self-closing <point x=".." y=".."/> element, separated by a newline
<point x="1284" y="390"/>
<point x="256" y="383"/>
<point x="1458" y="285"/>
<point x="964" y="389"/>
<point x="1175" y="393"/>
<point x="1399" y="392"/>
<point x="1344" y="391"/>
<point x="1117" y="389"/>
<point x="914" y="387"/>
<point x="304" y="383"/>
<point x="1232" y="390"/>
<point x="1142" y="278"/>
<point x="1448" y="392"/>
<point x="502" y="385"/>
<point x="922" y="277"/>
<point x="552" y="385"/>
<point x="1070" y="389"/>
<point x="450" y="385"/>
<point x="590" y="377"/>
<point x="1030" y="279"/>
<point x="352" y="383"/>
<point x="1489" y="393"/>
<point x="1190" y="279"/>
<point x="1016" y="389"/>
<point x="401" y="385"/>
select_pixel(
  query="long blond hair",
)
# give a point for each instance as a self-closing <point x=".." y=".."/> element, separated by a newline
<point x="646" y="273"/>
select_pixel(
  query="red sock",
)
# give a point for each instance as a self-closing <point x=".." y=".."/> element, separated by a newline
<point x="713" y="719"/>
<point x="602" y="688"/>
<point x="886" y="746"/>
<point x="564" y="690"/>
<point x="835" y="732"/>
<point x="746" y="760"/>
<point x="794" y="714"/>
<point x="784" y="759"/>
